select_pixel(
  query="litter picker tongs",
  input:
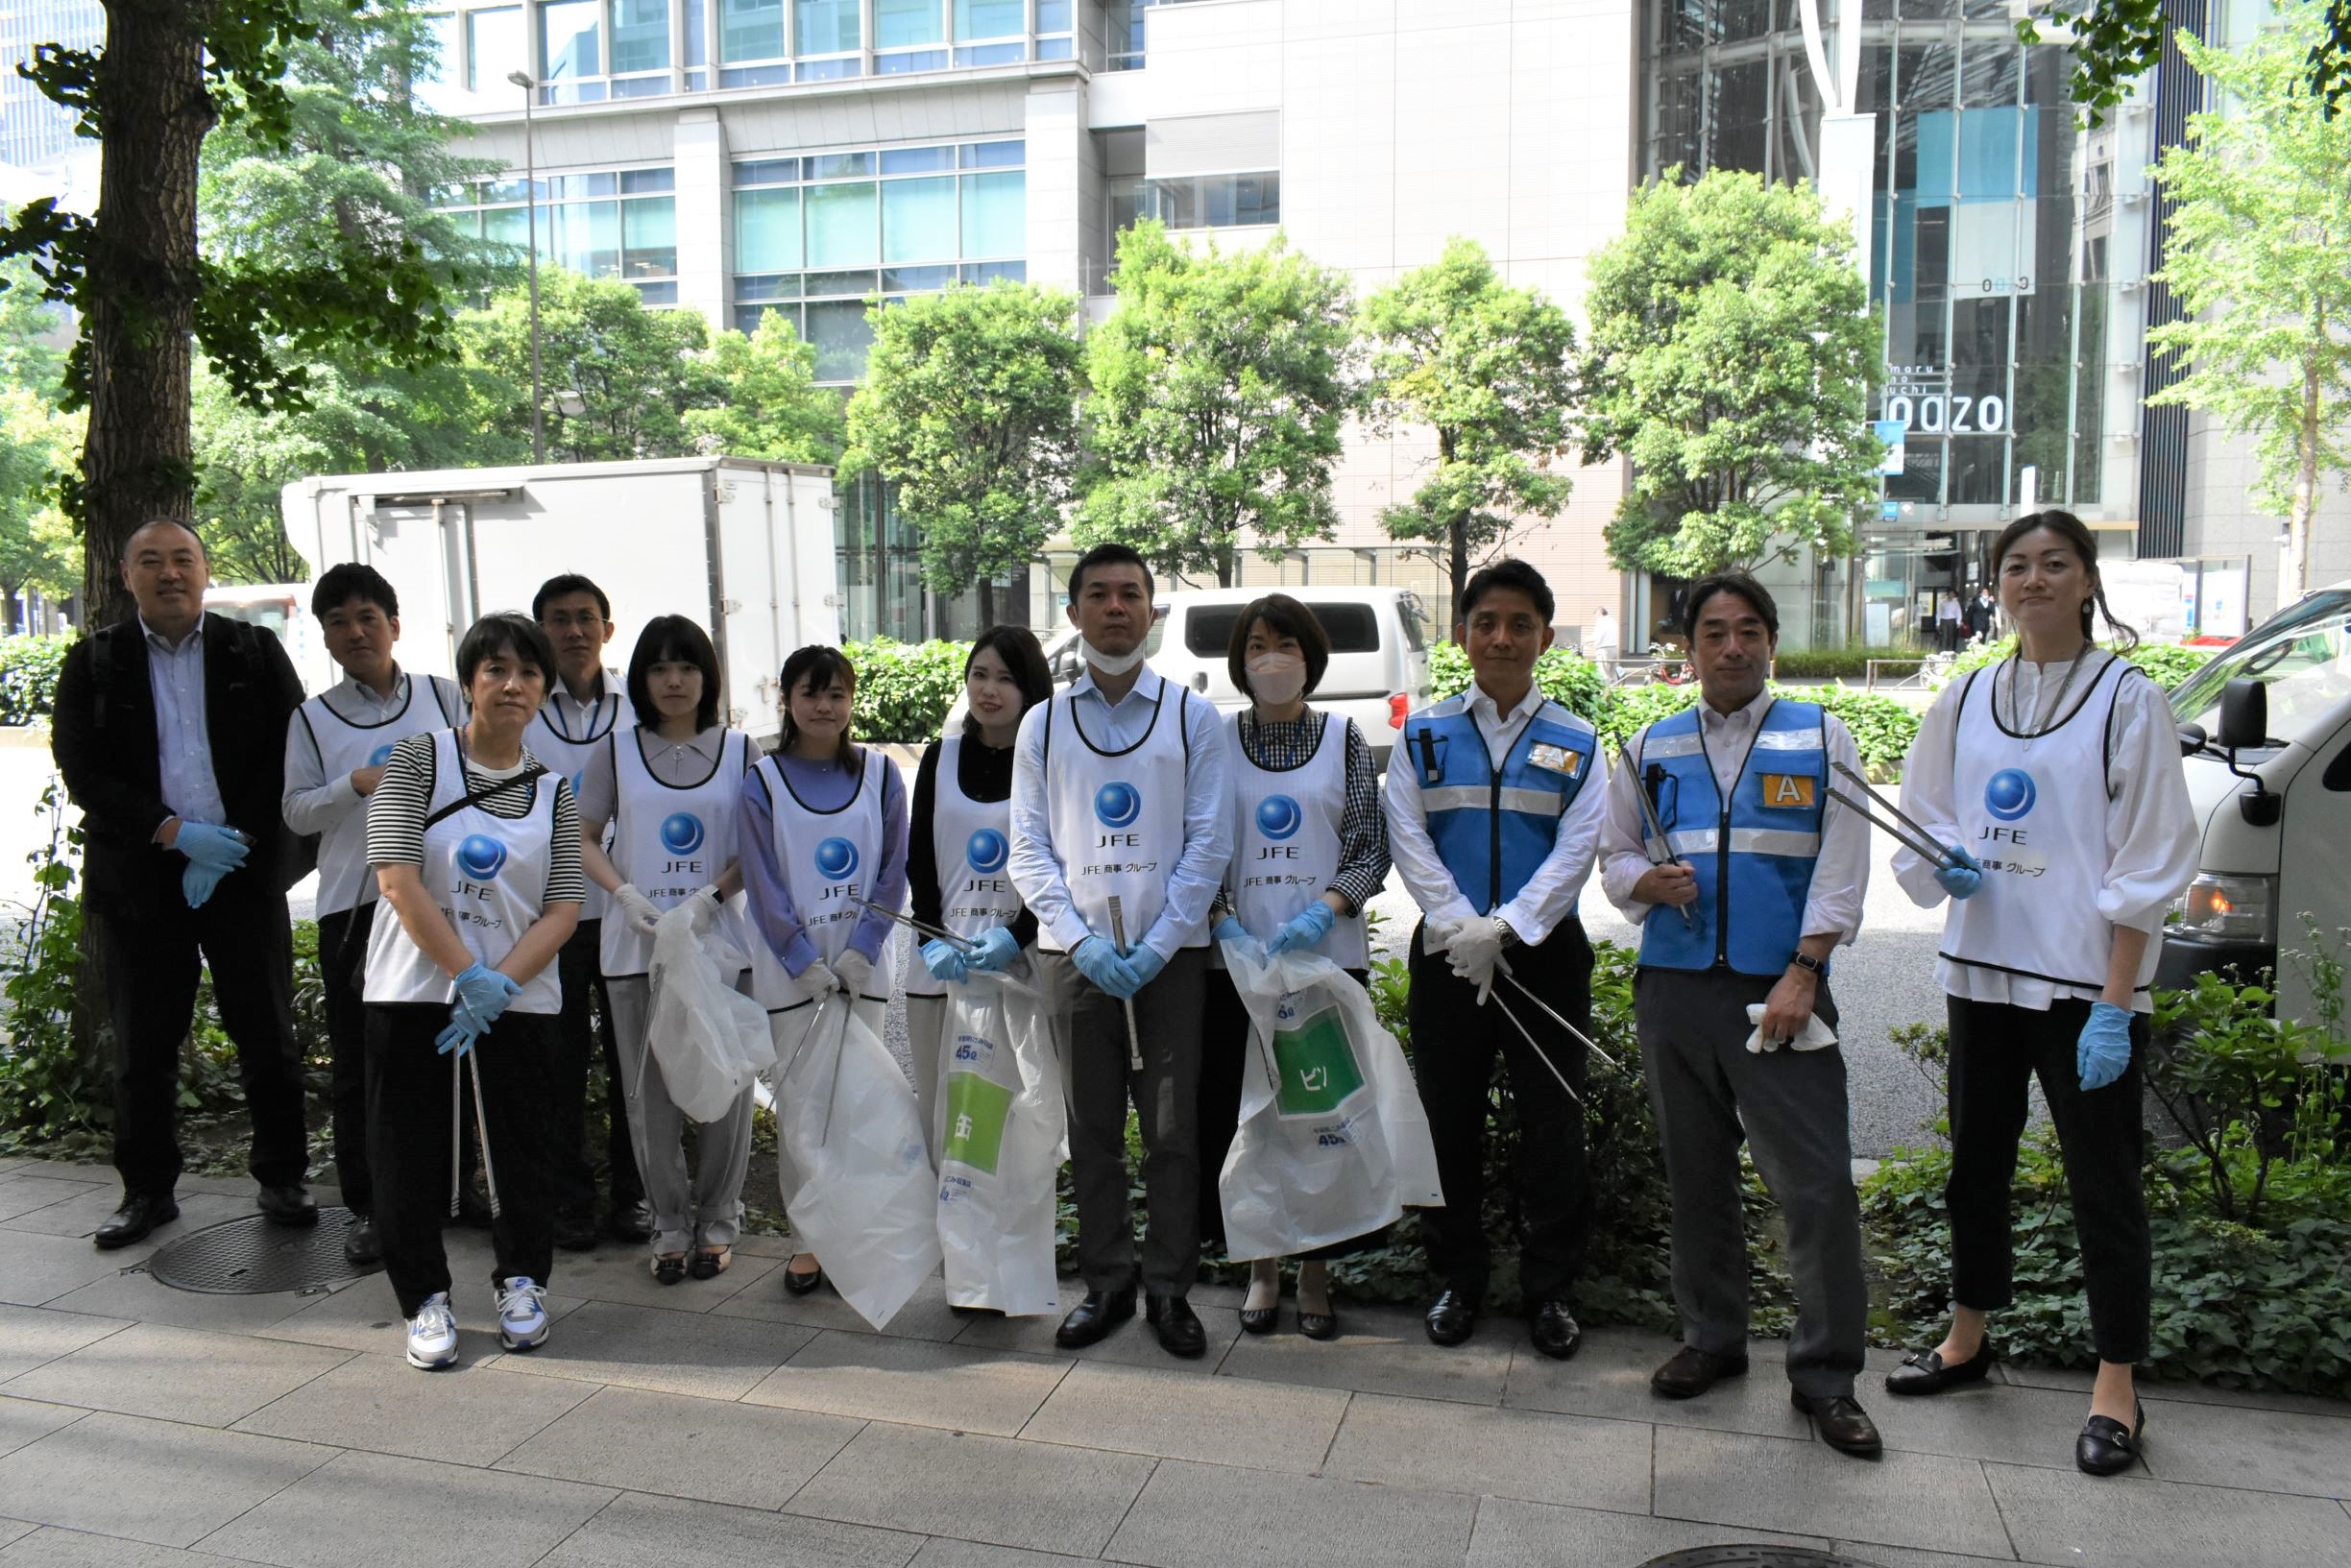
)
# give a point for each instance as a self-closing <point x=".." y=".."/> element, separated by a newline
<point x="1541" y="1055"/>
<point x="1662" y="853"/>
<point x="1554" y="1015"/>
<point x="1904" y="830"/>
<point x="964" y="943"/>
<point x="1118" y="938"/>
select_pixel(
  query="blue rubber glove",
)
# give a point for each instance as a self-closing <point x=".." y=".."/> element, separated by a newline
<point x="1303" y="929"/>
<point x="197" y="882"/>
<point x="998" y="948"/>
<point x="215" y="849"/>
<point x="1963" y="881"/>
<point x="1229" y="930"/>
<point x="2105" y="1047"/>
<point x="463" y="1033"/>
<point x="1100" y="962"/>
<point x="944" y="959"/>
<point x="484" y="994"/>
<point x="1146" y="965"/>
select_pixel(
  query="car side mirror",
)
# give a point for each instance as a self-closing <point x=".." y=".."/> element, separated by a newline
<point x="2192" y="738"/>
<point x="2244" y="715"/>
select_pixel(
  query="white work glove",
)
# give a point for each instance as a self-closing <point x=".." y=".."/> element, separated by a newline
<point x="702" y="911"/>
<point x="1436" y="932"/>
<point x="640" y="912"/>
<point x="855" y="969"/>
<point x="1816" y="1035"/>
<point x="1474" y="950"/>
<point x="817" y="981"/>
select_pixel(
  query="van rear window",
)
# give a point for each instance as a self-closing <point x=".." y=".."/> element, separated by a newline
<point x="1352" y="628"/>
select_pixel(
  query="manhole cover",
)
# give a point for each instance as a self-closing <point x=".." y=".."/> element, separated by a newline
<point x="253" y="1257"/>
<point x="1754" y="1556"/>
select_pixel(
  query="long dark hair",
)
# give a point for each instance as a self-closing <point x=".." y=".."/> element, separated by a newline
<point x="2084" y="543"/>
<point x="665" y="639"/>
<point x="1018" y="647"/>
<point x="818" y="663"/>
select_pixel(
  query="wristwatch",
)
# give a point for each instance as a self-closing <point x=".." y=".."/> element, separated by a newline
<point x="1805" y="961"/>
<point x="1510" y="938"/>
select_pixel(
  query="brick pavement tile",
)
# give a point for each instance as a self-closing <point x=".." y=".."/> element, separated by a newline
<point x="1517" y="1534"/>
<point x="1185" y="1416"/>
<point x="2261" y="1451"/>
<point x="165" y="1484"/>
<point x="1534" y="1454"/>
<point x="939" y="1552"/>
<point x="1981" y="1421"/>
<point x="714" y="1450"/>
<point x="1609" y="1377"/>
<point x="991" y="1489"/>
<point x="22" y="1195"/>
<point x="463" y="1415"/>
<point x="365" y="1510"/>
<point x="139" y="1296"/>
<point x="35" y="1268"/>
<point x="2132" y="1521"/>
<point x="1384" y="1350"/>
<point x="623" y="1272"/>
<point x="924" y="1317"/>
<point x="2077" y="1382"/>
<point x="11" y="1529"/>
<point x="636" y="1531"/>
<point x="1209" y="1517"/>
<point x="914" y="1382"/>
<point x="177" y="1374"/>
<point x="25" y="1420"/>
<point x="1772" y="1484"/>
<point x="1903" y="1556"/>
<point x="87" y="1208"/>
<point x="676" y="1352"/>
<point x="52" y="1548"/>
<point x="32" y="1335"/>
<point x="364" y="1315"/>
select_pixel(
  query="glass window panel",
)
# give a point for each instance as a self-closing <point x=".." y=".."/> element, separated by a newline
<point x="991" y="18"/>
<point x="641" y="35"/>
<point x="1057" y="49"/>
<point x="635" y="181"/>
<point x="747" y="317"/>
<point x="586" y="237"/>
<point x="776" y="286"/>
<point x="995" y="155"/>
<point x="1992" y="74"/>
<point x="1978" y="470"/>
<point x="1741" y="99"/>
<point x="641" y="86"/>
<point x="697" y="32"/>
<point x="989" y="272"/>
<point x="499" y="45"/>
<point x="755" y="75"/>
<point x="1053" y="16"/>
<point x="917" y="160"/>
<point x="903" y="24"/>
<point x="767" y="171"/>
<point x="571" y="188"/>
<point x="859" y="282"/>
<point x="1927" y="77"/>
<point x="995" y="214"/>
<point x="841" y="228"/>
<point x="696" y="80"/>
<point x="1922" y="476"/>
<point x="507" y="225"/>
<point x="917" y="279"/>
<point x="841" y="335"/>
<point x="992" y="54"/>
<point x="437" y="78"/>
<point x="839" y="69"/>
<point x="1257" y="198"/>
<point x="826" y="27"/>
<point x="840" y="165"/>
<point x="570" y="46"/>
<point x="649" y="235"/>
<point x="658" y="294"/>
<point x="910" y="60"/>
<point x="750" y="30"/>
<point x="918" y="219"/>
<point x="766" y="231"/>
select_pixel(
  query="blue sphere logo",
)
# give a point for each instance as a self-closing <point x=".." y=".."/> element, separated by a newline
<point x="481" y="856"/>
<point x="1118" y="804"/>
<point x="380" y="755"/>
<point x="681" y="833"/>
<point x="987" y="852"/>
<point x="1279" y="817"/>
<point x="837" y="860"/>
<point x="2010" y="794"/>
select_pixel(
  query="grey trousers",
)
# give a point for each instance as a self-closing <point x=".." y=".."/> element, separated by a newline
<point x="926" y="1033"/>
<point x="1093" y="1027"/>
<point x="1707" y="1091"/>
<point x="705" y="1209"/>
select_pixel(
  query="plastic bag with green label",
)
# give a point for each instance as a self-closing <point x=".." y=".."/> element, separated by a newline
<point x="1333" y="1142"/>
<point x="1003" y="1135"/>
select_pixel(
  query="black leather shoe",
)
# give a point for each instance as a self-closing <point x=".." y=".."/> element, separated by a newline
<point x="802" y="1284"/>
<point x="631" y="1221"/>
<point x="1924" y="1372"/>
<point x="1179" y="1328"/>
<point x="1260" y="1320"/>
<point x="361" y="1248"/>
<point x="1555" y="1330"/>
<point x="1842" y="1423"/>
<point x="575" y="1232"/>
<point x="1452" y="1318"/>
<point x="1318" y="1325"/>
<point x="1691" y="1372"/>
<point x="289" y="1206"/>
<point x="141" y="1213"/>
<point x="2106" y="1447"/>
<point x="1092" y="1319"/>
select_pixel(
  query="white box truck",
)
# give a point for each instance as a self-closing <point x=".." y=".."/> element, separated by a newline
<point x="744" y="548"/>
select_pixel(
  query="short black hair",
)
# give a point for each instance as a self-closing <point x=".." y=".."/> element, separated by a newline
<point x="1022" y="654"/>
<point x="666" y="638"/>
<point x="1729" y="582"/>
<point x="808" y="665"/>
<point x="569" y="582"/>
<point x="1508" y="572"/>
<point x="503" y="631"/>
<point x="352" y="580"/>
<point x="1284" y="616"/>
<point x="1109" y="554"/>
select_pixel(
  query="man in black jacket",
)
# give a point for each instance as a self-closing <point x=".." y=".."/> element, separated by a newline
<point x="170" y="732"/>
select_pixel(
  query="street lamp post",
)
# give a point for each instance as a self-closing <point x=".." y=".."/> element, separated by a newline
<point x="530" y="201"/>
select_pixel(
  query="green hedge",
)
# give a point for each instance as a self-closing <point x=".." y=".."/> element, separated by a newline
<point x="29" y="669"/>
<point x="904" y="690"/>
<point x="1835" y="664"/>
<point x="2169" y="663"/>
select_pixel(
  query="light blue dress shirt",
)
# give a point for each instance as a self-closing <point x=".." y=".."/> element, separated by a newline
<point x="176" y="675"/>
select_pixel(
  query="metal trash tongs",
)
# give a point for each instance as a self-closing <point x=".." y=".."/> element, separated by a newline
<point x="964" y="943"/>
<point x="1553" y="1014"/>
<point x="1540" y="1055"/>
<point x="1664" y="853"/>
<point x="1908" y="833"/>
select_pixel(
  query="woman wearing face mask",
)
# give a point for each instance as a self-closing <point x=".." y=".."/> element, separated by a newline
<point x="1305" y="782"/>
<point x="961" y="843"/>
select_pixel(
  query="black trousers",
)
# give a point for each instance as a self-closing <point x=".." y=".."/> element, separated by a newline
<point x="343" y="942"/>
<point x="1454" y="1046"/>
<point x="1995" y="1052"/>
<point x="152" y="958"/>
<point x="583" y="1037"/>
<point x="410" y="1090"/>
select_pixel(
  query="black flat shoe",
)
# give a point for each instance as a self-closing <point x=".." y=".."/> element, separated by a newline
<point x="1318" y="1325"/>
<point x="141" y="1213"/>
<point x="668" y="1270"/>
<point x="1842" y="1423"/>
<point x="1092" y="1319"/>
<point x="1177" y="1326"/>
<point x="1260" y="1320"/>
<point x="711" y="1261"/>
<point x="290" y="1206"/>
<point x="362" y="1249"/>
<point x="1452" y="1318"/>
<point x="1555" y="1330"/>
<point x="1689" y="1373"/>
<point x="802" y="1284"/>
<point x="1924" y="1372"/>
<point x="2106" y="1447"/>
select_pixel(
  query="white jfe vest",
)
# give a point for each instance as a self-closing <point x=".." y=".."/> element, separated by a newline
<point x="554" y="741"/>
<point x="669" y="841"/>
<point x="488" y="875"/>
<point x="1286" y="841"/>
<point x="1118" y="817"/>
<point x="2034" y="813"/>
<point x="971" y="842"/>
<point x="829" y="861"/>
<point x="345" y="880"/>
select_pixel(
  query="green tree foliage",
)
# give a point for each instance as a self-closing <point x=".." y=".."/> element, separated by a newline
<point x="2258" y="233"/>
<point x="770" y="405"/>
<point x="2114" y="41"/>
<point x="970" y="407"/>
<point x="1731" y="356"/>
<point x="36" y="544"/>
<point x="1490" y="369"/>
<point x="1219" y="386"/>
<point x="635" y="372"/>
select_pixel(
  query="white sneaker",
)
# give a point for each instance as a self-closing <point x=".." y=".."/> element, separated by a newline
<point x="522" y="1320"/>
<point x="432" y="1333"/>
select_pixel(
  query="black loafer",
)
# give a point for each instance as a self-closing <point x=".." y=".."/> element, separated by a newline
<point x="141" y="1213"/>
<point x="1260" y="1320"/>
<point x="289" y="1206"/>
<point x="1842" y="1423"/>
<point x="1452" y="1318"/>
<point x="1555" y="1330"/>
<point x="1318" y="1325"/>
<point x="575" y="1232"/>
<point x="668" y="1270"/>
<point x="1178" y="1327"/>
<point x="362" y="1249"/>
<point x="630" y="1221"/>
<point x="1689" y="1373"/>
<point x="1925" y="1372"/>
<point x="2106" y="1447"/>
<point x="1092" y="1319"/>
<point x="802" y="1284"/>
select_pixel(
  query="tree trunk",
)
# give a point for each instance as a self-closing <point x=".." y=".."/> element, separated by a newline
<point x="138" y="461"/>
<point x="987" y="603"/>
<point x="2293" y="571"/>
<point x="1457" y="564"/>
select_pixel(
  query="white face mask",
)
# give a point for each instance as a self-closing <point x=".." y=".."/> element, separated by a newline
<point x="1111" y="663"/>
<point x="1277" y="678"/>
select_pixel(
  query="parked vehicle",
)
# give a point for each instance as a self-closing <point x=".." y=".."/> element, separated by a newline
<point x="283" y="608"/>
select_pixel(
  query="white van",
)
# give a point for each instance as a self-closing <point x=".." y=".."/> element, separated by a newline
<point x="2267" y="729"/>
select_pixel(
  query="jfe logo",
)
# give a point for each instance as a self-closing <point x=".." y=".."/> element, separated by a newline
<point x="2010" y="794"/>
<point x="1279" y="817"/>
<point x="380" y="755"/>
<point x="481" y="856"/>
<point x="987" y="852"/>
<point x="837" y="860"/>
<point x="681" y="833"/>
<point x="1117" y="804"/>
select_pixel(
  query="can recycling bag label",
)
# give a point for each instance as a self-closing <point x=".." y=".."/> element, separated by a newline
<point x="976" y="1109"/>
<point x="1315" y="1062"/>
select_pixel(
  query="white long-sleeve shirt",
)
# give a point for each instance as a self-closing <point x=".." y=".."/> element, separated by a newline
<point x="2151" y="840"/>
<point x="1840" y="872"/>
<point x="1550" y="892"/>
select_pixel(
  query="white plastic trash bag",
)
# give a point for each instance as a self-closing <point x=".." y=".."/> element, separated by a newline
<point x="1333" y="1142"/>
<point x="1004" y="1135"/>
<point x="711" y="1041"/>
<point x="855" y="1174"/>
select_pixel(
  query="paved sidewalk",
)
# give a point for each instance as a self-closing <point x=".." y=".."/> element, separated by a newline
<point x="726" y="1421"/>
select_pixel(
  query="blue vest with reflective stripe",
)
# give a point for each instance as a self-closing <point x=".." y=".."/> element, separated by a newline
<point x="1754" y="860"/>
<point x="1491" y="829"/>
